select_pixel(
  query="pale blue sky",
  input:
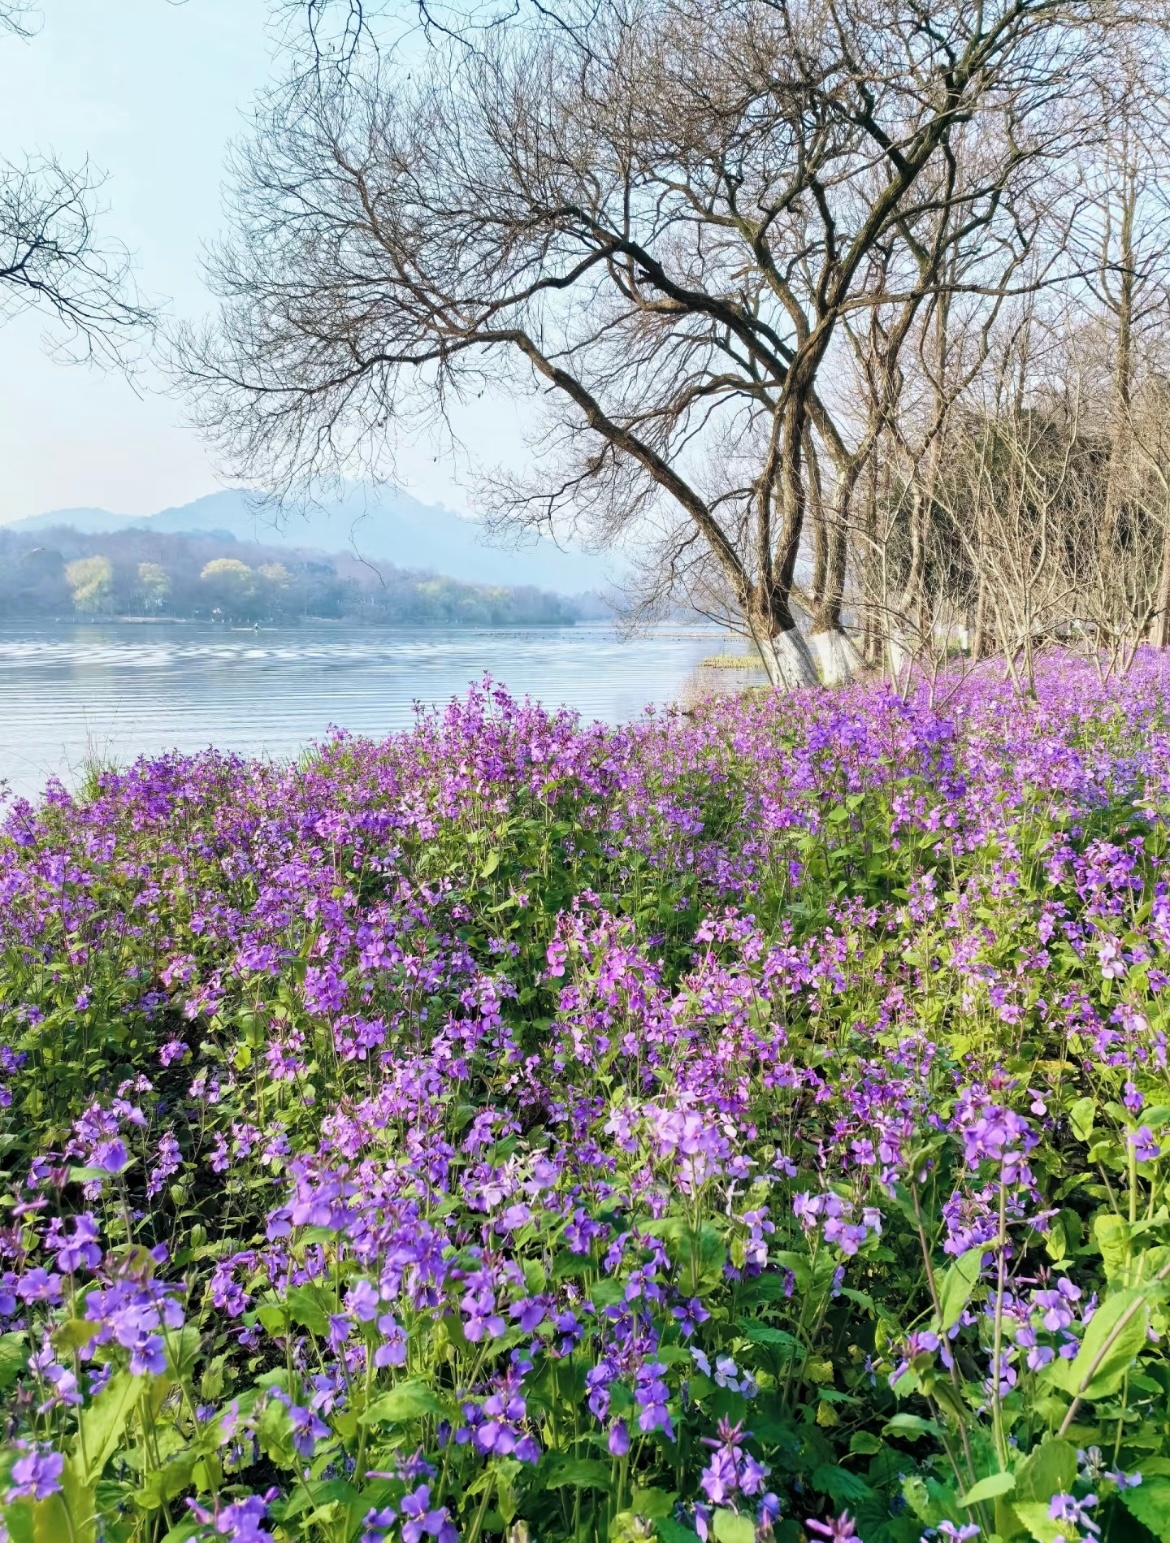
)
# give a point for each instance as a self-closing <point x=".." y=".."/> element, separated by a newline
<point x="152" y="91"/>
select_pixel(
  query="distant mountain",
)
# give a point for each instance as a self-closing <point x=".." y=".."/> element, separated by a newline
<point x="151" y="574"/>
<point x="87" y="522"/>
<point x="382" y="524"/>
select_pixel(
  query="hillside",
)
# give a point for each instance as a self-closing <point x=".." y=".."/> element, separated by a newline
<point x="64" y="572"/>
<point x="383" y="525"/>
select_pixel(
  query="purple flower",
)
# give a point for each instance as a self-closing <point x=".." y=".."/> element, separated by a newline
<point x="419" y="1520"/>
<point x="38" y="1285"/>
<point x="376" y="1524"/>
<point x="362" y="1301"/>
<point x="168" y="1162"/>
<point x="720" y="1479"/>
<point x="240" y="1521"/>
<point x="36" y="1475"/>
<point x="1145" y="1148"/>
<point x="1124" y="1480"/>
<point x="731" y="1469"/>
<point x="689" y="1315"/>
<point x="147" y="1356"/>
<point x="1065" y="1508"/>
<point x="305" y="1424"/>
<point x="842" y="1530"/>
<point x="392" y="1350"/>
<point x="529" y="1313"/>
<point x="110" y="1155"/>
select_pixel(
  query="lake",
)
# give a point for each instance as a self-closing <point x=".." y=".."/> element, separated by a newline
<point x="115" y="691"/>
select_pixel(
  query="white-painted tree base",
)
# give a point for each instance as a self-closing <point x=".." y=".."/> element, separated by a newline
<point x="787" y="660"/>
<point x="836" y="656"/>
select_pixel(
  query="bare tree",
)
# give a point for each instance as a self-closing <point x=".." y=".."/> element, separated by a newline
<point x="915" y="358"/>
<point x="18" y="17"/>
<point x="653" y="218"/>
<point x="52" y="256"/>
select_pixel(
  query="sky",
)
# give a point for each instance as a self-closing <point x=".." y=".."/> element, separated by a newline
<point x="152" y="92"/>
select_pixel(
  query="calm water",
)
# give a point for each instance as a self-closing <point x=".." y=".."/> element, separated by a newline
<point x="70" y="692"/>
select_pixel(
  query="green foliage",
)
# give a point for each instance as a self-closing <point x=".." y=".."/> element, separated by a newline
<point x="90" y="580"/>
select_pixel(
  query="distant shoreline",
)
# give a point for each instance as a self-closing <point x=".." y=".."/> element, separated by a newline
<point x="681" y="628"/>
<point x="272" y="622"/>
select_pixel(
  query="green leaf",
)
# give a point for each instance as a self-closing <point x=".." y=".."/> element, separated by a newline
<point x="864" y="1443"/>
<point x="490" y="866"/>
<point x="701" y="1256"/>
<point x="840" y="1485"/>
<point x="912" y="1425"/>
<point x="653" y="1503"/>
<point x="1035" y="1517"/>
<point x="859" y="1298"/>
<point x="79" y="1500"/>
<point x="103" y="1423"/>
<point x="183" y="1350"/>
<point x="1112" y="1235"/>
<point x="580" y="1472"/>
<point x="1081" y="1117"/>
<point x="51" y="1521"/>
<point x="18" y="1518"/>
<point x="317" y="1496"/>
<point x="606" y="1292"/>
<point x="411" y="1400"/>
<point x="14" y="1354"/>
<point x="674" y="1355"/>
<point x="773" y="1283"/>
<point x="957" y="1285"/>
<point x="308" y="1306"/>
<point x="1150" y="1503"/>
<point x="765" y="1334"/>
<point x="731" y="1528"/>
<point x="989" y="1488"/>
<point x="1112" y="1342"/>
<point x="72" y="1334"/>
<point x="274" y="1317"/>
<point x="670" y="1531"/>
<point x="928" y="1500"/>
<point x="163" y="1484"/>
<point x="1049" y="1470"/>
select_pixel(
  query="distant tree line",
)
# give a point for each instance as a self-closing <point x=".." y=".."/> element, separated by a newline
<point x="61" y="573"/>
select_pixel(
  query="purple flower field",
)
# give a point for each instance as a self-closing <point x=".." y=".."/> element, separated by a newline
<point x="743" y="1126"/>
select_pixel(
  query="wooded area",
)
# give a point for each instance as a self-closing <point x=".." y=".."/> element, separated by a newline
<point x="62" y="574"/>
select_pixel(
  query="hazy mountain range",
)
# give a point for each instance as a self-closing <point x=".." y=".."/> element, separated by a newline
<point x="382" y="524"/>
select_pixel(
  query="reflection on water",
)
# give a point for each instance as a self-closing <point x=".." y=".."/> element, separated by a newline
<point x="117" y="691"/>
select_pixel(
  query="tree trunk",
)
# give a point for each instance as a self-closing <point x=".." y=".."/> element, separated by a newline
<point x="835" y="653"/>
<point x="820" y="525"/>
<point x="787" y="660"/>
<point x="782" y="649"/>
<point x="1160" y="631"/>
<point x="836" y="656"/>
<point x="1121" y="436"/>
<point x="830" y="644"/>
<point x="900" y="649"/>
<point x="980" y="632"/>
